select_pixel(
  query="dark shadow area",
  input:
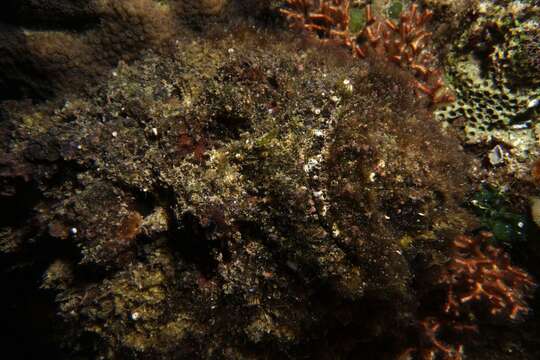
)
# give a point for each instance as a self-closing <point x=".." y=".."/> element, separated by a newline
<point x="29" y="317"/>
<point x="75" y="15"/>
<point x="19" y="75"/>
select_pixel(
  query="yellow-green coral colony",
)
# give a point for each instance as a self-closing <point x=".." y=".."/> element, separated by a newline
<point x="517" y="58"/>
<point x="496" y="84"/>
<point x="485" y="104"/>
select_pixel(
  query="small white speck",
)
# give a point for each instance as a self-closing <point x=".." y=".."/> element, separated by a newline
<point x="533" y="103"/>
<point x="230" y="50"/>
<point x="348" y="86"/>
<point x="317" y="111"/>
<point x="387" y="217"/>
<point x="496" y="155"/>
<point x="73" y="230"/>
<point x="318" y="133"/>
<point x="520" y="224"/>
<point x="79" y="147"/>
<point x="114" y="133"/>
<point x="421" y="214"/>
<point x="372" y="177"/>
<point x="154" y="131"/>
<point x="334" y="98"/>
<point x="311" y="164"/>
<point x="135" y="316"/>
<point x="324" y="210"/>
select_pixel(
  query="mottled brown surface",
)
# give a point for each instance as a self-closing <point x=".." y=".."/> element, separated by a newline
<point x="245" y="193"/>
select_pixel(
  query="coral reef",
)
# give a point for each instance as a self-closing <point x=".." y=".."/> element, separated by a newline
<point x="40" y="55"/>
<point x="493" y="69"/>
<point x="195" y="181"/>
<point x="479" y="282"/>
<point x="480" y="272"/>
<point x="496" y="213"/>
<point x="403" y="43"/>
<point x="217" y="202"/>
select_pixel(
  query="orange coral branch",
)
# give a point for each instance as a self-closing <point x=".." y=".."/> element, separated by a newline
<point x="404" y="44"/>
<point x="476" y="273"/>
<point x="483" y="273"/>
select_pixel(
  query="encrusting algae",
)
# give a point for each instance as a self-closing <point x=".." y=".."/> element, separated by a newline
<point x="226" y="187"/>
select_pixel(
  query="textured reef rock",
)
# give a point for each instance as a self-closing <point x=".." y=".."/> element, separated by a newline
<point x="224" y="191"/>
<point x="242" y="193"/>
<point x="50" y="45"/>
<point x="494" y="70"/>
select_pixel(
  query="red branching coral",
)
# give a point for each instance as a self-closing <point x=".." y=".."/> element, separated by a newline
<point x="431" y="346"/>
<point x="476" y="273"/>
<point x="481" y="272"/>
<point x="404" y="43"/>
<point x="329" y="17"/>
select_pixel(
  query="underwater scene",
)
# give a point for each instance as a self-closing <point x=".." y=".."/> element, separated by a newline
<point x="265" y="179"/>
